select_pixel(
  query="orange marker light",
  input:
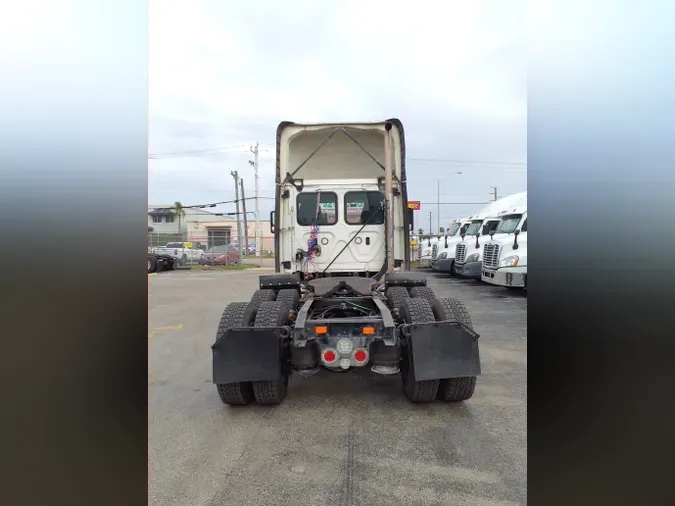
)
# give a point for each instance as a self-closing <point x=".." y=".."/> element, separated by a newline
<point x="369" y="331"/>
<point x="321" y="329"/>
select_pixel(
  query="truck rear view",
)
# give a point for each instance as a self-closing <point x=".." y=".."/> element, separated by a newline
<point x="342" y="296"/>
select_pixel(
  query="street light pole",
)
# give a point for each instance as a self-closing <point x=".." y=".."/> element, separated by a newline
<point x="438" y="201"/>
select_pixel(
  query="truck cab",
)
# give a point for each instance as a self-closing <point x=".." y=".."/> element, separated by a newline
<point x="505" y="257"/>
<point x="427" y="251"/>
<point x="499" y="217"/>
<point x="446" y="251"/>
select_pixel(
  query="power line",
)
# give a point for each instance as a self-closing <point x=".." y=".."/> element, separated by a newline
<point x="193" y="151"/>
<point x="470" y="162"/>
<point x="213" y="204"/>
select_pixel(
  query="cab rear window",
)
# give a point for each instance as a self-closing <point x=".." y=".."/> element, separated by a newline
<point x="307" y="209"/>
<point x="364" y="207"/>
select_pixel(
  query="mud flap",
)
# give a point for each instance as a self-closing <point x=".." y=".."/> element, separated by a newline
<point x="249" y="354"/>
<point x="443" y="350"/>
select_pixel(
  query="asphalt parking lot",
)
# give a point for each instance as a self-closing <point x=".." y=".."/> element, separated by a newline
<point x="339" y="439"/>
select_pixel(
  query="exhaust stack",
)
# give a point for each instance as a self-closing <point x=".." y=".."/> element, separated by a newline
<point x="388" y="189"/>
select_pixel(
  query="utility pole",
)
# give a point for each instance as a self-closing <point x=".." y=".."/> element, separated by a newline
<point x="236" y="196"/>
<point x="494" y="194"/>
<point x="243" y="205"/>
<point x="430" y="229"/>
<point x="258" y="245"/>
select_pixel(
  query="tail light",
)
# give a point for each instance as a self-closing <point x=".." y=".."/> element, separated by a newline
<point x="175" y="252"/>
<point x="329" y="356"/>
<point x="360" y="356"/>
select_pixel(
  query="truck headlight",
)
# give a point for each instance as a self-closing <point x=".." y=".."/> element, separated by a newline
<point x="509" y="262"/>
<point x="443" y="256"/>
<point x="473" y="258"/>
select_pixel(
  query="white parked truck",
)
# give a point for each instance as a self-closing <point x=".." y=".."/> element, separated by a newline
<point x="180" y="252"/>
<point x="468" y="253"/>
<point x="505" y="256"/>
<point x="343" y="296"/>
<point x="446" y="249"/>
<point x="427" y="251"/>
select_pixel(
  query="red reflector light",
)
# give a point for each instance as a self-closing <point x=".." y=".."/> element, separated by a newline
<point x="329" y="356"/>
<point x="360" y="356"/>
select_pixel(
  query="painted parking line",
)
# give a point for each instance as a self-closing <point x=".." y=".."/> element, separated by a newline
<point x="158" y="330"/>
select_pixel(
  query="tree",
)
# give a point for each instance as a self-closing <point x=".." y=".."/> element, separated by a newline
<point x="442" y="229"/>
<point x="179" y="211"/>
<point x="420" y="232"/>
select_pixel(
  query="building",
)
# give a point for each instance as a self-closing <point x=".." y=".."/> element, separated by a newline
<point x="200" y="226"/>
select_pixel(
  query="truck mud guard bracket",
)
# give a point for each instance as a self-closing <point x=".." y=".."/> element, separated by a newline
<point x="407" y="279"/>
<point x="249" y="354"/>
<point x="441" y="350"/>
<point x="279" y="281"/>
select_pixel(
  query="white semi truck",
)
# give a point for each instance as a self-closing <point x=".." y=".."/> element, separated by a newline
<point x="493" y="220"/>
<point x="427" y="251"/>
<point x="343" y="296"/>
<point x="443" y="262"/>
<point x="505" y="257"/>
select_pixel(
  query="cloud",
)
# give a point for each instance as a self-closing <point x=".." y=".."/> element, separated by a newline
<point x="225" y="74"/>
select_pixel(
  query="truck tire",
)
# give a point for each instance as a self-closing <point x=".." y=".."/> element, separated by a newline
<point x="234" y="394"/>
<point x="415" y="310"/>
<point x="271" y="314"/>
<point x="289" y="297"/>
<point x="152" y="264"/>
<point x="455" y="389"/>
<point x="423" y="291"/>
<point x="395" y="296"/>
<point x="160" y="265"/>
<point x="259" y="296"/>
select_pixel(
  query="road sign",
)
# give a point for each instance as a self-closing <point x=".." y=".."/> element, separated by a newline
<point x="414" y="205"/>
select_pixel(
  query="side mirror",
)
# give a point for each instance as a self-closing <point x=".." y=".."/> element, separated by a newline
<point x="272" y="222"/>
<point x="477" y="245"/>
<point x="462" y="235"/>
<point x="515" y="239"/>
<point x="516" y="233"/>
<point x="446" y="241"/>
<point x="492" y="234"/>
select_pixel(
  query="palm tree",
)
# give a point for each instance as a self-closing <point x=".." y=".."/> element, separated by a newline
<point x="420" y="232"/>
<point x="442" y="229"/>
<point x="180" y="212"/>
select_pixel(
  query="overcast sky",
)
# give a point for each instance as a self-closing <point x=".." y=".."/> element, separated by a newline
<point x="224" y="74"/>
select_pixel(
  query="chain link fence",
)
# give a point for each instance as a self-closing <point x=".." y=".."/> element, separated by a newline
<point x="221" y="249"/>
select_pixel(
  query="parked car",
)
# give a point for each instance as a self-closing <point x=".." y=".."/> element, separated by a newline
<point x="221" y="255"/>
<point x="158" y="263"/>
<point x="182" y="252"/>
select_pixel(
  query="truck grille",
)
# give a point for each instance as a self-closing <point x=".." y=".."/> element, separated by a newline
<point x="434" y="251"/>
<point x="491" y="256"/>
<point x="460" y="253"/>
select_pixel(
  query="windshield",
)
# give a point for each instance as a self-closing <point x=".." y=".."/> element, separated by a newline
<point x="509" y="224"/>
<point x="490" y="227"/>
<point x="474" y="227"/>
<point x="453" y="229"/>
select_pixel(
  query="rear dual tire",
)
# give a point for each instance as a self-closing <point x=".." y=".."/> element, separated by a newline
<point x="268" y="314"/>
<point x="272" y="314"/>
<point x="415" y="310"/>
<point x="234" y="394"/>
<point x="425" y="307"/>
